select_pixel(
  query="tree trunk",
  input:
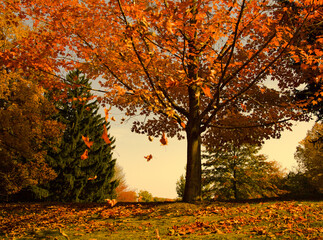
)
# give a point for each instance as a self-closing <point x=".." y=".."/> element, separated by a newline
<point x="193" y="188"/>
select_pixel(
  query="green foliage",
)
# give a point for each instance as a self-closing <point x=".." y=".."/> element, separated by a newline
<point x="81" y="180"/>
<point x="298" y="186"/>
<point x="180" y="186"/>
<point x="240" y="173"/>
<point x="145" y="196"/>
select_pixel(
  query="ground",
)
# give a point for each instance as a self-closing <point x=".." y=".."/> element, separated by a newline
<point x="176" y="220"/>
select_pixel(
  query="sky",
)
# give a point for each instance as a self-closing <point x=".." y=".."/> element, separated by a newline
<point x="159" y="175"/>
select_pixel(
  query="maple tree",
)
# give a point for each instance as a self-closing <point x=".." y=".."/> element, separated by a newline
<point x="198" y="68"/>
<point x="26" y="129"/>
<point x="310" y="41"/>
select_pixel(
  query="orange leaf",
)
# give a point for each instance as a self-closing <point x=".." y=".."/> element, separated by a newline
<point x="111" y="202"/>
<point x="113" y="119"/>
<point x="149" y="157"/>
<point x="106" y="112"/>
<point x="150" y="138"/>
<point x="207" y="91"/>
<point x="92" y="178"/>
<point x="183" y="125"/>
<point x="244" y="107"/>
<point x="85" y="155"/>
<point x="164" y="140"/>
<point x="87" y="141"/>
<point x="105" y="135"/>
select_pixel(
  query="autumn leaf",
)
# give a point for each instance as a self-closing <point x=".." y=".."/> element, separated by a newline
<point x="164" y="140"/>
<point x="106" y="113"/>
<point x="105" y="135"/>
<point x="87" y="141"/>
<point x="112" y="202"/>
<point x="149" y="157"/>
<point x="183" y="125"/>
<point x="113" y="119"/>
<point x="244" y="107"/>
<point x="92" y="178"/>
<point x="150" y="138"/>
<point x="85" y="155"/>
<point x="207" y="91"/>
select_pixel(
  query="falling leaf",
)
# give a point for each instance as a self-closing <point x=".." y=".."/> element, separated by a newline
<point x="87" y="141"/>
<point x="207" y="91"/>
<point x="105" y="135"/>
<point x="113" y="119"/>
<point x="106" y="112"/>
<point x="85" y="155"/>
<point x="150" y="138"/>
<point x="149" y="157"/>
<point x="183" y="125"/>
<point x="92" y="178"/>
<point x="164" y="140"/>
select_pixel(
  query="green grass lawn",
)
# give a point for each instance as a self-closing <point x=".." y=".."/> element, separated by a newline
<point x="269" y="220"/>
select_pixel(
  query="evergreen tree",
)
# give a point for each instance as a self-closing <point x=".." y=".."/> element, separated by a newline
<point x="81" y="179"/>
<point x="239" y="172"/>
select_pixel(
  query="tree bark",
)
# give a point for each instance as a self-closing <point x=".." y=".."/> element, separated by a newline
<point x="193" y="188"/>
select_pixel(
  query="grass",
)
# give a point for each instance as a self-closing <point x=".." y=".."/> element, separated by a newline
<point x="268" y="220"/>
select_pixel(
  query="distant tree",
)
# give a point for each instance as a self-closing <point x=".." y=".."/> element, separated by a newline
<point x="298" y="185"/>
<point x="124" y="194"/>
<point x="238" y="172"/>
<point x="25" y="125"/>
<point x="180" y="186"/>
<point x="145" y="196"/>
<point x="309" y="155"/>
<point x="85" y="173"/>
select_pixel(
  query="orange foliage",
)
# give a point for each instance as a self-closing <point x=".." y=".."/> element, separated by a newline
<point x="105" y="135"/>
<point x="85" y="155"/>
<point x="159" y="55"/>
<point x="87" y="141"/>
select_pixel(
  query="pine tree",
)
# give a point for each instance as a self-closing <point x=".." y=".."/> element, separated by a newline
<point x="239" y="172"/>
<point x="81" y="180"/>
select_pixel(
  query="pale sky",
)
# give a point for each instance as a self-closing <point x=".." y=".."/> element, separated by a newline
<point x="159" y="175"/>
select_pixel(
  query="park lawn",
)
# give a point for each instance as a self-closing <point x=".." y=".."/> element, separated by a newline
<point x="216" y="220"/>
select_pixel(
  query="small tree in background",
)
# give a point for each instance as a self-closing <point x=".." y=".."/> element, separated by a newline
<point x="124" y="194"/>
<point x="180" y="186"/>
<point x="145" y="196"/>
<point x="85" y="173"/>
<point x="309" y="155"/>
<point x="239" y="172"/>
